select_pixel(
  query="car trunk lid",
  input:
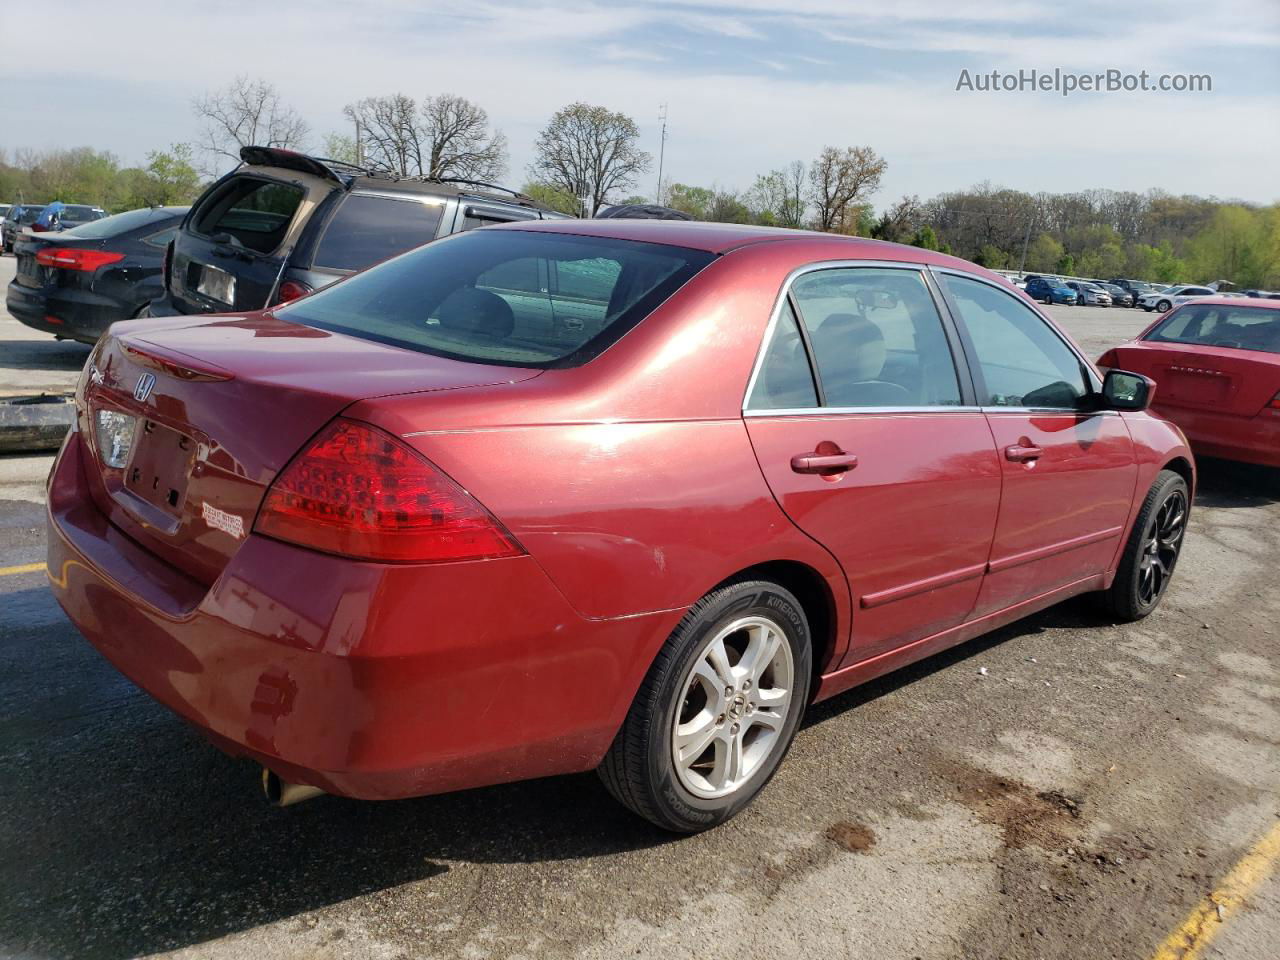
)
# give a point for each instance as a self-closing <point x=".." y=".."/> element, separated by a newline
<point x="1228" y="380"/>
<point x="219" y="406"/>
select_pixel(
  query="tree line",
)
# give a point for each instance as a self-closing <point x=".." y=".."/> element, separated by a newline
<point x="587" y="157"/>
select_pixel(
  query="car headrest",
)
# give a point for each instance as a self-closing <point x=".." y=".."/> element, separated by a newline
<point x="851" y="345"/>
<point x="477" y="311"/>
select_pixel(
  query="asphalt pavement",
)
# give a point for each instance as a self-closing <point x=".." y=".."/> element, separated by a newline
<point x="1082" y="798"/>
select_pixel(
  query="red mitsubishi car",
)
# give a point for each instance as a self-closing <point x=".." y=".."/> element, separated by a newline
<point x="1217" y="360"/>
<point x="592" y="494"/>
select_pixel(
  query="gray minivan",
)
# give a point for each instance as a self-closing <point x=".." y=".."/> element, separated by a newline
<point x="284" y="224"/>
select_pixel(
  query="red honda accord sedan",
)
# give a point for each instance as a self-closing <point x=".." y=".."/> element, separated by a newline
<point x="615" y="495"/>
<point x="1217" y="360"/>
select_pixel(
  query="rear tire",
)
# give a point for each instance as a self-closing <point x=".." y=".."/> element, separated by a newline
<point x="717" y="711"/>
<point x="1150" y="556"/>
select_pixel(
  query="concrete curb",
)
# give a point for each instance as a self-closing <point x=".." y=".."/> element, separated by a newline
<point x="33" y="424"/>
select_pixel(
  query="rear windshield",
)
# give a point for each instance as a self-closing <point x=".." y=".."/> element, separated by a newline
<point x="505" y="296"/>
<point x="249" y="212"/>
<point x="29" y="215"/>
<point x="122" y="223"/>
<point x="1215" y="325"/>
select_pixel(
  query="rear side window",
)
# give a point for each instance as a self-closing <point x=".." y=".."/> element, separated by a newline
<point x="785" y="380"/>
<point x="877" y="338"/>
<point x="253" y="213"/>
<point x="494" y="296"/>
<point x="1213" y="325"/>
<point x="1023" y="362"/>
<point x="475" y="216"/>
<point x="367" y="229"/>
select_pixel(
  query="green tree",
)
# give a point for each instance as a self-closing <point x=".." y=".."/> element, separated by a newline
<point x="695" y="201"/>
<point x="927" y="239"/>
<point x="1043" y="254"/>
<point x="552" y="196"/>
<point x="992" y="257"/>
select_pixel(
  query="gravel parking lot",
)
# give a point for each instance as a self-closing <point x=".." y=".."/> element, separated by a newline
<point x="1078" y="800"/>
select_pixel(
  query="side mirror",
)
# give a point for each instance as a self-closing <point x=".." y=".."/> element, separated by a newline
<point x="1127" y="391"/>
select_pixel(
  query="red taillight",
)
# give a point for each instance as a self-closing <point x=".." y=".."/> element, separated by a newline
<point x="291" y="290"/>
<point x="360" y="492"/>
<point x="68" y="258"/>
<point x="38" y="228"/>
<point x="1275" y="402"/>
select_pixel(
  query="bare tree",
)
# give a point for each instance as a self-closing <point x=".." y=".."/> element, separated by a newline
<point x="459" y="141"/>
<point x="590" y="152"/>
<point x="777" y="197"/>
<point x="390" y="132"/>
<point x="839" y="181"/>
<point x="246" y="112"/>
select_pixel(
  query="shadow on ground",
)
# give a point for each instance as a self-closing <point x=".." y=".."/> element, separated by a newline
<point x="123" y="832"/>
<point x="1225" y="483"/>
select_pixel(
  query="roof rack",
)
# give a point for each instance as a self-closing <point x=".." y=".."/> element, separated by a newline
<point x="482" y="183"/>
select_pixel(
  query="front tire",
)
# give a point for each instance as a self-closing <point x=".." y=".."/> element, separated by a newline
<point x="717" y="711"/>
<point x="1149" y="558"/>
<point x="1163" y="306"/>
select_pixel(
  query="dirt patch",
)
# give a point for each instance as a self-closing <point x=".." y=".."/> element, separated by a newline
<point x="854" y="837"/>
<point x="1045" y="819"/>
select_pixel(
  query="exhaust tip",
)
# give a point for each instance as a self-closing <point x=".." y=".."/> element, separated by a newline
<point x="282" y="793"/>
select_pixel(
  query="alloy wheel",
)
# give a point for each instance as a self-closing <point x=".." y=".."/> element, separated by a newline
<point x="1160" y="549"/>
<point x="733" y="707"/>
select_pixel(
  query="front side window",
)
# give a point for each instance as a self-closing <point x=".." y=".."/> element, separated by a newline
<point x="367" y="229"/>
<point x="1215" y="325"/>
<point x="877" y="338"/>
<point x="492" y="296"/>
<point x="250" y="212"/>
<point x="1023" y="362"/>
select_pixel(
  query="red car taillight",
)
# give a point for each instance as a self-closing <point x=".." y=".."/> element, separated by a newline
<point x="68" y="258"/>
<point x="1275" y="402"/>
<point x="290" y="290"/>
<point x="359" y="492"/>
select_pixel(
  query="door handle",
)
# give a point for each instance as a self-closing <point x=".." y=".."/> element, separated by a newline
<point x="1020" y="453"/>
<point x="823" y="463"/>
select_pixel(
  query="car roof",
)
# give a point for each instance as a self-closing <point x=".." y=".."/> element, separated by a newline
<point x="720" y="238"/>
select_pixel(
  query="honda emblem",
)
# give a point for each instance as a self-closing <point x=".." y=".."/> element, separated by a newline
<point x="146" y="383"/>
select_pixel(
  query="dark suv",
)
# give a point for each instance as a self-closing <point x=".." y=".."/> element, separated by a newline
<point x="283" y="224"/>
<point x="19" y="217"/>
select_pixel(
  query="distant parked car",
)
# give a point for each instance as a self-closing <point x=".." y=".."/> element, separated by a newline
<point x="58" y="216"/>
<point x="1217" y="362"/>
<point x="1120" y="297"/>
<point x="1137" y="288"/>
<point x="76" y="283"/>
<point x="284" y="224"/>
<point x="1164" y="300"/>
<point x="20" y="217"/>
<point x="1050" y="290"/>
<point x="1089" y="294"/>
<point x="1263" y="294"/>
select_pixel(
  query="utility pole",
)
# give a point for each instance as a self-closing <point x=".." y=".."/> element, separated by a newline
<point x="359" y="150"/>
<point x="662" y="149"/>
<point x="1026" y="239"/>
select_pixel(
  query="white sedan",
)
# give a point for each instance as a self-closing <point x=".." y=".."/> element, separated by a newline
<point x="1171" y="297"/>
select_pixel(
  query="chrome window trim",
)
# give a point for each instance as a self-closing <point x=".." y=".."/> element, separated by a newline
<point x="882" y="411"/>
<point x="1094" y="380"/>
<point x="783" y="296"/>
<point x="1047" y="411"/>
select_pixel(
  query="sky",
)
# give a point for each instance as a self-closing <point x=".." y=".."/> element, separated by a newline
<point x="749" y="84"/>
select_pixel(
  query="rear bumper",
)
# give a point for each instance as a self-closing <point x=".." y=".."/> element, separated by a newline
<point x="1247" y="439"/>
<point x="365" y="680"/>
<point x="76" y="314"/>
